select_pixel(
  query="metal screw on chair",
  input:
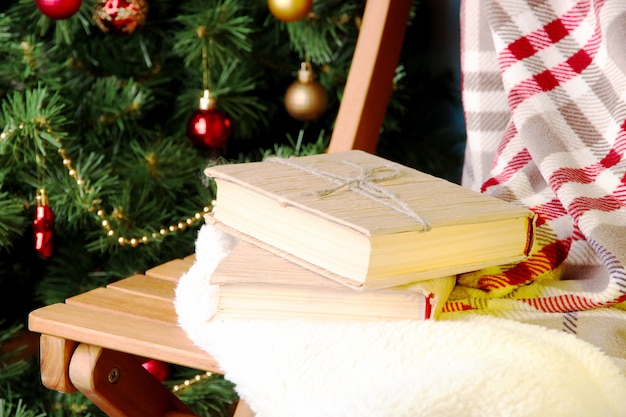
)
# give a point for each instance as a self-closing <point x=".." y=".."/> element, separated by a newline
<point x="114" y="375"/>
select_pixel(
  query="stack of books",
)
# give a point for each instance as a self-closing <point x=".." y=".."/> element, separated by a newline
<point x="351" y="235"/>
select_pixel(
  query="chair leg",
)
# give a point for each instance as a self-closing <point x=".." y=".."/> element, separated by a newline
<point x="55" y="356"/>
<point x="118" y="384"/>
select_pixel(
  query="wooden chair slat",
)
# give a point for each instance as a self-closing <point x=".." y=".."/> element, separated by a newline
<point x="134" y="335"/>
<point x="144" y="286"/>
<point x="171" y="270"/>
<point x="109" y="300"/>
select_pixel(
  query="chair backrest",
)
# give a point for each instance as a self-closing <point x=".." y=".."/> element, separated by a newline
<point x="370" y="79"/>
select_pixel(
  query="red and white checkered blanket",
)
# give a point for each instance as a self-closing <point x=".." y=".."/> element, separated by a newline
<point x="544" y="94"/>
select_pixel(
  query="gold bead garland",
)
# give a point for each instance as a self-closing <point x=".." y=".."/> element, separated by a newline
<point x="118" y="213"/>
<point x="188" y="382"/>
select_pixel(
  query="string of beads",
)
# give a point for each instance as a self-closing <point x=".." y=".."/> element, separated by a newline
<point x="104" y="217"/>
<point x="188" y="382"/>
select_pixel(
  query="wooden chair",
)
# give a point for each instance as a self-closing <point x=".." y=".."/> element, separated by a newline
<point x="95" y="342"/>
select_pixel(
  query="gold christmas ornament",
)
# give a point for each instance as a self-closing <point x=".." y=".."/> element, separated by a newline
<point x="306" y="99"/>
<point x="290" y="10"/>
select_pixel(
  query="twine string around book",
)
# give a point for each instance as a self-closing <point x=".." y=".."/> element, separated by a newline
<point x="363" y="183"/>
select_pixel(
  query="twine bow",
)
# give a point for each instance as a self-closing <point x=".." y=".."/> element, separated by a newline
<point x="363" y="183"/>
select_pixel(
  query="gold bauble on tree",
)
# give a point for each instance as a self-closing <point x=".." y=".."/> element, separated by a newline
<point x="290" y="10"/>
<point x="306" y="99"/>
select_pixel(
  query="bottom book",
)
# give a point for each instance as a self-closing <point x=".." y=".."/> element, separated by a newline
<point x="257" y="284"/>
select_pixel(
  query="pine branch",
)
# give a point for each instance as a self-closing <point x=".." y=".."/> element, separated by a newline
<point x="75" y="206"/>
<point x="120" y="105"/>
<point x="298" y="147"/>
<point x="30" y="118"/>
<point x="208" y="396"/>
<point x="317" y="38"/>
<point x="12" y="219"/>
<point x="8" y="409"/>
<point x="237" y="92"/>
<point x="221" y="32"/>
<point x="71" y="271"/>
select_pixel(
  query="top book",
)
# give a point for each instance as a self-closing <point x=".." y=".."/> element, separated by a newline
<point x="367" y="221"/>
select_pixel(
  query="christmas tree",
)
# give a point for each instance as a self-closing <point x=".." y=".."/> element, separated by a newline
<point x="110" y="111"/>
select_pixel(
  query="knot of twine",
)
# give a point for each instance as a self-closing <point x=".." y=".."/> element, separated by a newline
<point x="363" y="183"/>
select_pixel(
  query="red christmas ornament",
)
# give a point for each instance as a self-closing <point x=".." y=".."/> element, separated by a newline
<point x="120" y="17"/>
<point x="160" y="370"/>
<point x="208" y="128"/>
<point x="58" y="9"/>
<point x="43" y="225"/>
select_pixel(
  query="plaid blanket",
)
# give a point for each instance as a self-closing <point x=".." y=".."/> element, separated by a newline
<point x="544" y="94"/>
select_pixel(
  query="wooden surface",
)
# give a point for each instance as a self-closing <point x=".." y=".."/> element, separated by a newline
<point x="112" y="329"/>
<point x="135" y="315"/>
<point x="370" y="80"/>
<point x="56" y="354"/>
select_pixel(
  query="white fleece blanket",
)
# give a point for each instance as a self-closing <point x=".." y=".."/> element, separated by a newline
<point x="477" y="366"/>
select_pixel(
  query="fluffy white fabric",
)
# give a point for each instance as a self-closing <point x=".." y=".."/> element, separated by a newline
<point x="477" y="366"/>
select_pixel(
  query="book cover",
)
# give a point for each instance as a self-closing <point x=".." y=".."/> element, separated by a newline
<point x="255" y="283"/>
<point x="370" y="221"/>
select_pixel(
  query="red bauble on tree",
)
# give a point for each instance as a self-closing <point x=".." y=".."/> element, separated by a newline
<point x="120" y="17"/>
<point x="43" y="225"/>
<point x="208" y="128"/>
<point x="159" y="369"/>
<point x="58" y="9"/>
